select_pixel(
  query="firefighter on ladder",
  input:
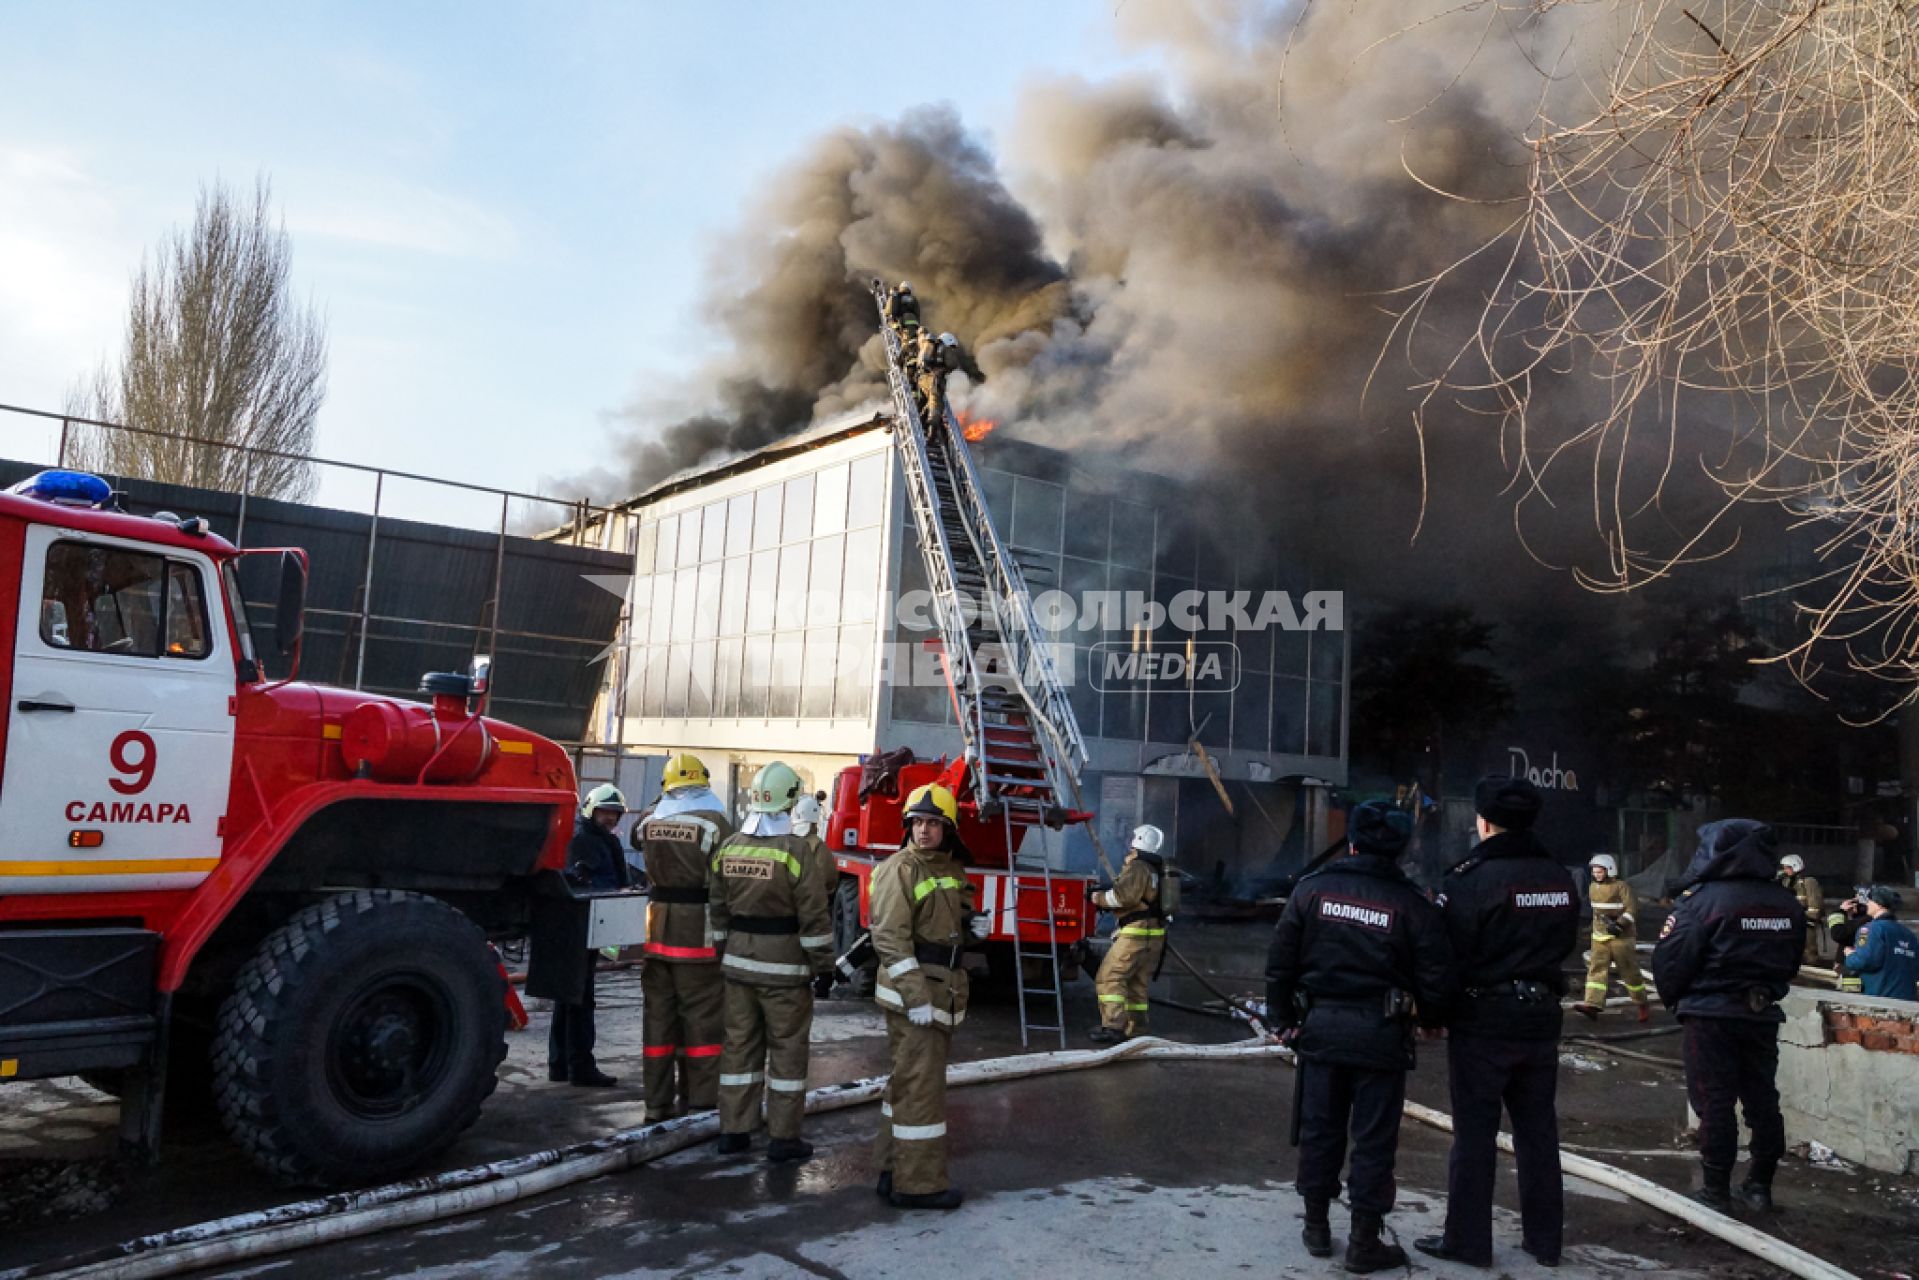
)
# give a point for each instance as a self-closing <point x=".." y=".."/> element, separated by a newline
<point x="680" y="974"/>
<point x="770" y="915"/>
<point x="1615" y="939"/>
<point x="903" y="313"/>
<point x="936" y="358"/>
<point x="922" y="918"/>
<point x="1139" y="941"/>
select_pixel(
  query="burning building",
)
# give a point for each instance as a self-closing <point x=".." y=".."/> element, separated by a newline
<point x="778" y="610"/>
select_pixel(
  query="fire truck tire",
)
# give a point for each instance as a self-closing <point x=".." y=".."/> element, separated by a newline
<point x="361" y="1039"/>
<point x="846" y="929"/>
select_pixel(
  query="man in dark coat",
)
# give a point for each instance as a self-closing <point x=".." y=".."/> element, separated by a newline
<point x="1359" y="954"/>
<point x="1512" y="914"/>
<point x="596" y="863"/>
<point x="1726" y="957"/>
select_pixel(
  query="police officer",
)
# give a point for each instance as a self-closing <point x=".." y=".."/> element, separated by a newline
<point x="1792" y="874"/>
<point x="680" y="974"/>
<point x="1139" y="939"/>
<point x="1887" y="955"/>
<point x="1358" y="954"/>
<point x="594" y="863"/>
<point x="922" y="915"/>
<point x="770" y="914"/>
<point x="1725" y="958"/>
<point x="1615" y="940"/>
<point x="1512" y="913"/>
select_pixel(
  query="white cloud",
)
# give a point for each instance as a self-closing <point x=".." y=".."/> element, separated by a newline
<point x="391" y="214"/>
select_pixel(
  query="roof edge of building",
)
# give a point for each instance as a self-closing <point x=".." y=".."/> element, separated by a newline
<point x="813" y="437"/>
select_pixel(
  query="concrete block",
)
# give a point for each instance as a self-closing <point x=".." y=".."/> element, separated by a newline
<point x="1848" y="1069"/>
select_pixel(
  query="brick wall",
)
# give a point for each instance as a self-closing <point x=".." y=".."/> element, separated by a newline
<point x="1875" y="1033"/>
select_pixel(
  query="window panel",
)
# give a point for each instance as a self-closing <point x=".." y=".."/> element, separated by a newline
<point x="1175" y="547"/>
<point x="1289" y="651"/>
<point x="1082" y="693"/>
<point x="739" y="524"/>
<point x="659" y="626"/>
<point x="706" y="605"/>
<point x="678" y="659"/>
<point x="797" y="520"/>
<point x="829" y="500"/>
<point x="1328" y="654"/>
<point x="792" y="593"/>
<point x="854" y="698"/>
<point x="817" y="682"/>
<point x="689" y="539"/>
<point x="866" y="491"/>
<point x="756" y="678"/>
<point x="789" y="655"/>
<point x="823" y="590"/>
<point x="712" y="531"/>
<point x="1213" y="714"/>
<point x="654" y="673"/>
<point x="1252" y="712"/>
<point x="1169" y="716"/>
<point x="998" y="486"/>
<point x="762" y="597"/>
<point x="1037" y="507"/>
<point x="733" y="596"/>
<point x="1289" y="715"/>
<point x="186" y="612"/>
<point x="685" y="592"/>
<point x="860" y="586"/>
<point x="766" y="517"/>
<point x="699" y="682"/>
<point x="726" y="678"/>
<point x="1322" y="719"/>
<point x="1132" y="535"/>
<point x="1087" y="515"/>
<point x="1123" y="716"/>
<point x="666" y="545"/>
<point x="648" y="547"/>
<point x="641" y="595"/>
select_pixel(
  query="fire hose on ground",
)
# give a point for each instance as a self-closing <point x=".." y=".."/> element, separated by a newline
<point x="348" y="1215"/>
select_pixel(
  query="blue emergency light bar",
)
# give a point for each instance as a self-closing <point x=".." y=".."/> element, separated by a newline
<point x="68" y="488"/>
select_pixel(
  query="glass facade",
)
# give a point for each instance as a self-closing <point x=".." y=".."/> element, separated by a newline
<point x="763" y="604"/>
<point x="1105" y="554"/>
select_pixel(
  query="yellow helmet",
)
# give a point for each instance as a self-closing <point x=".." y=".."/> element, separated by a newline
<point x="932" y="801"/>
<point x="683" y="770"/>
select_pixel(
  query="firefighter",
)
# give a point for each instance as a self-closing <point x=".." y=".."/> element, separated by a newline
<point x="1847" y="928"/>
<point x="1887" y="953"/>
<point x="1615" y="938"/>
<point x="903" y="313"/>
<point x="1358" y="954"/>
<point x="1792" y="874"/>
<point x="809" y="825"/>
<point x="770" y="915"/>
<point x="1512" y="912"/>
<point x="936" y="357"/>
<point x="1139" y="941"/>
<point x="680" y="974"/>
<point x="595" y="864"/>
<point x="922" y="917"/>
<point x="1726" y="957"/>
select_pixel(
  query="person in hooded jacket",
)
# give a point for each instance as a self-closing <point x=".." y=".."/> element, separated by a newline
<point x="1358" y="955"/>
<point x="1512" y="913"/>
<point x="1887" y="954"/>
<point x="1725" y="958"/>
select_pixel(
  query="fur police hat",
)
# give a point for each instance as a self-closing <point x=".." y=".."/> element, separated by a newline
<point x="1512" y="803"/>
<point x="1378" y="827"/>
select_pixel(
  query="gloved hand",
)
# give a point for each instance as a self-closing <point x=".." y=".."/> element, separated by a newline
<point x="980" y="924"/>
<point x="1625" y="918"/>
<point x="823" y="985"/>
<point x="920" y="1015"/>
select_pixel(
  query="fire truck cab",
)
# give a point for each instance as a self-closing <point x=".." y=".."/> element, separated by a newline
<point x="284" y="888"/>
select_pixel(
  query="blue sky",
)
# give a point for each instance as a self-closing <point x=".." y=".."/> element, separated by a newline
<point x="504" y="210"/>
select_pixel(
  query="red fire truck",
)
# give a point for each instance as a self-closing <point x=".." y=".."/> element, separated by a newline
<point x="287" y="887"/>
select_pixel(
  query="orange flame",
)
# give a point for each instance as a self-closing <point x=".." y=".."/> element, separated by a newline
<point x="976" y="429"/>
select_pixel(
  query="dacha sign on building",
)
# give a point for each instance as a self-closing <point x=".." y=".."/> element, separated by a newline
<point x="1549" y="777"/>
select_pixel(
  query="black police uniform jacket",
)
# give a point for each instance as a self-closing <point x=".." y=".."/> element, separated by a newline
<point x="1512" y="914"/>
<point x="1733" y="942"/>
<point x="1350" y="935"/>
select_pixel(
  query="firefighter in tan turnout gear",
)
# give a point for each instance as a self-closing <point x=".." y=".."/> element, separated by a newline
<point x="770" y="919"/>
<point x="680" y="975"/>
<point x="922" y="916"/>
<point x="1615" y="938"/>
<point x="1792" y="874"/>
<point x="1137" y="899"/>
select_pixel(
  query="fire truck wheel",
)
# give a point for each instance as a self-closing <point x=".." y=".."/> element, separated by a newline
<point x="846" y="928"/>
<point x="360" y="1039"/>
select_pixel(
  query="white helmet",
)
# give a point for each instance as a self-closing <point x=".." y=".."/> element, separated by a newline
<point x="1148" y="838"/>
<point x="948" y="340"/>
<point x="1792" y="862"/>
<point x="905" y="287"/>
<point x="806" y="812"/>
<point x="1604" y="862"/>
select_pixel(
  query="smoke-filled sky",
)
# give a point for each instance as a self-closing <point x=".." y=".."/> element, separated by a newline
<point x="1193" y="268"/>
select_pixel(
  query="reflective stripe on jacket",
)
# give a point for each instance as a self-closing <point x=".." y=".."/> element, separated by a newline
<point x="769" y="879"/>
<point x="678" y="851"/>
<point x="1613" y="909"/>
<point x="920" y="899"/>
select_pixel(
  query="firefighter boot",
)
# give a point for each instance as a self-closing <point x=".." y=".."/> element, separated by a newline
<point x="783" y="1150"/>
<point x="1756" y="1190"/>
<point x="1318" y="1232"/>
<point x="1105" y="1035"/>
<point x="1715" y="1188"/>
<point x="1365" y="1251"/>
<point x="731" y="1144"/>
<point x="1645" y="1013"/>
<point x="948" y="1199"/>
<point x="885" y="1189"/>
